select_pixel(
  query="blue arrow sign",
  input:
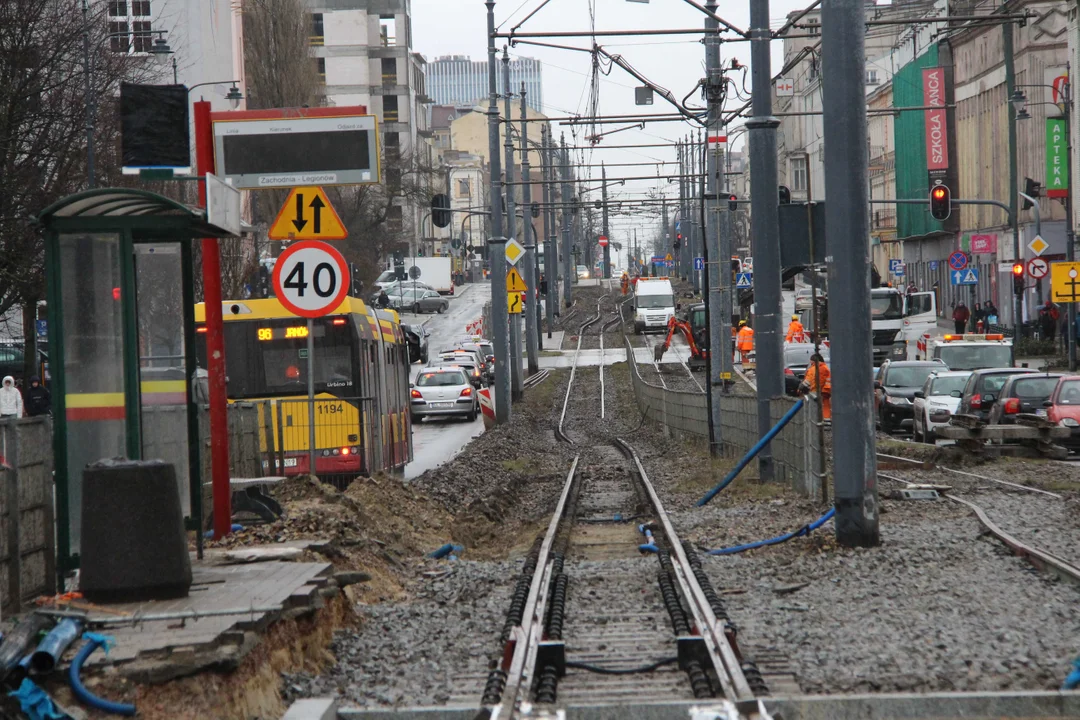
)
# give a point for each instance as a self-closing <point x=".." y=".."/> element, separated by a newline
<point x="958" y="261"/>
<point x="969" y="276"/>
<point x="699" y="263"/>
<point x="744" y="281"/>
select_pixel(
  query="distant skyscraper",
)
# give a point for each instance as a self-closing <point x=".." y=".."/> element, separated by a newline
<point x="457" y="80"/>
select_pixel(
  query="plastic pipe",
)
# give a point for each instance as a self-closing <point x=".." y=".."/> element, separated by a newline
<point x="445" y="550"/>
<point x="52" y="647"/>
<point x="752" y="453"/>
<point x="650" y="543"/>
<point x="804" y="530"/>
<point x="17" y="642"/>
<point x="93" y="642"/>
<point x="1072" y="680"/>
<point x="19" y="673"/>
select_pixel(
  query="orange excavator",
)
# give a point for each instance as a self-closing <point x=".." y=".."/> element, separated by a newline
<point x="697" y="355"/>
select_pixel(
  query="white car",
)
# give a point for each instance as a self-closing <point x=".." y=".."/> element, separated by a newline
<point x="936" y="402"/>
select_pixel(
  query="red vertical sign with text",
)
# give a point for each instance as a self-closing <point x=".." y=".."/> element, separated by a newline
<point x="937" y="140"/>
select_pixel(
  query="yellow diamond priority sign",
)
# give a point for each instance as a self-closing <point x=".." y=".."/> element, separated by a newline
<point x="307" y="215"/>
<point x="514" y="283"/>
<point x="1038" y="245"/>
<point x="514" y="251"/>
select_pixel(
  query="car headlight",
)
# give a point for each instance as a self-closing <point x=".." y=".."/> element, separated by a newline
<point x="893" y="400"/>
<point x="1069" y="422"/>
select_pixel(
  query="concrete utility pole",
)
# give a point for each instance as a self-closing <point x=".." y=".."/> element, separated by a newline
<point x="714" y="308"/>
<point x="517" y="388"/>
<point x="606" y="270"/>
<point x="843" y="28"/>
<point x="532" y="328"/>
<point x="1014" y="183"/>
<point x="684" y="250"/>
<point x="567" y="216"/>
<point x="765" y="201"/>
<point x="496" y="245"/>
<point x="551" y="261"/>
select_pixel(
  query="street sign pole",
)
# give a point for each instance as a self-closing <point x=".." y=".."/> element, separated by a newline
<point x="311" y="394"/>
<point x="716" y="323"/>
<point x="517" y="387"/>
<point x="532" y="315"/>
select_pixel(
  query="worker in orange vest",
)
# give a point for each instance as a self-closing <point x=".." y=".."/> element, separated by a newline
<point x="625" y="283"/>
<point x="795" y="331"/>
<point x="818" y="379"/>
<point x="745" y="341"/>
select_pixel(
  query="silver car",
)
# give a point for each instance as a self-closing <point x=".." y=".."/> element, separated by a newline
<point x="444" y="390"/>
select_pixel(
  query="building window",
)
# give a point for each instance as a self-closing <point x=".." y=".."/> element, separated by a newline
<point x="140" y="8"/>
<point x="320" y="68"/>
<point x="393" y="178"/>
<point x="464" y="188"/>
<point x="798" y="174"/>
<point x="388" y="30"/>
<point x="390" y="108"/>
<point x="871" y="76"/>
<point x="317" y="32"/>
<point x="389" y="71"/>
<point x="813" y="26"/>
<point x="119" y="41"/>
<point x="118" y="8"/>
<point x="394" y="218"/>
<point x="129" y="26"/>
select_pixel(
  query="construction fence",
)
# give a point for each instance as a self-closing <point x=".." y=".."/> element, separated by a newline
<point x="685" y="414"/>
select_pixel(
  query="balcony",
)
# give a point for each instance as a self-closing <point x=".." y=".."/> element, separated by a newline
<point x="316" y="40"/>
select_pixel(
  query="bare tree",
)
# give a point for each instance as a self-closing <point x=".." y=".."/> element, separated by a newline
<point x="280" y="69"/>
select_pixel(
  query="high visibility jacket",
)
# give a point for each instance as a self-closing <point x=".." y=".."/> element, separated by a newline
<point x="795" y="332"/>
<point x="819" y="378"/>
<point x="746" y="339"/>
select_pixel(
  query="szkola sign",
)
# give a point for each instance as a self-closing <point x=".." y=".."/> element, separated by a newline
<point x="937" y="142"/>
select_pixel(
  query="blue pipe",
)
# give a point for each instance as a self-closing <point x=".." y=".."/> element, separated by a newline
<point x="93" y="642"/>
<point x="804" y="530"/>
<point x="753" y="452"/>
<point x="236" y="527"/>
<point x="1072" y="681"/>
<point x="52" y="646"/>
<point x="445" y="550"/>
<point x="650" y="543"/>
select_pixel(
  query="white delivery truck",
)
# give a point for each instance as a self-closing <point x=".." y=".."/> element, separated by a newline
<point x="654" y="305"/>
<point x="899" y="320"/>
<point x="437" y="272"/>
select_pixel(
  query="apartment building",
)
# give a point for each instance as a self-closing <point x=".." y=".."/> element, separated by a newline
<point x="458" y="80"/>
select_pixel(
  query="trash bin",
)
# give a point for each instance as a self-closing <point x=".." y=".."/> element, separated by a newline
<point x="133" y="543"/>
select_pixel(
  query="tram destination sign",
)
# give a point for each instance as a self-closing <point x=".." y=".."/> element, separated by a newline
<point x="266" y="149"/>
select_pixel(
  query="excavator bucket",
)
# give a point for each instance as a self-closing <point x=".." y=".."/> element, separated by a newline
<point x="658" y="352"/>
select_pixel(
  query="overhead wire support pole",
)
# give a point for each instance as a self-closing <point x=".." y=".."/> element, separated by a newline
<point x="567" y="215"/>
<point x="715" y="321"/>
<point x="717" y="19"/>
<point x="549" y="226"/>
<point x="1014" y="185"/>
<point x="517" y="387"/>
<point x="847" y="215"/>
<point x="532" y="249"/>
<point x="765" y="231"/>
<point x="496" y="245"/>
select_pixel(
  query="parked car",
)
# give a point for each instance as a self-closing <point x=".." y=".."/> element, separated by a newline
<point x="936" y="402"/>
<point x="894" y="390"/>
<point x="1063" y="407"/>
<point x="396" y="287"/>
<point x="582" y="272"/>
<point x="417" y="337"/>
<point x="796" y="361"/>
<point x="982" y="389"/>
<point x="1023" y="394"/>
<point x="419" y="301"/>
<point x="804" y="298"/>
<point x="440" y="391"/>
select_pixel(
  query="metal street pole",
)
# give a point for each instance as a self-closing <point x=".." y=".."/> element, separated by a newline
<point x="517" y="387"/>
<point x="551" y="262"/>
<point x="532" y="328"/>
<point x="1014" y="187"/>
<point x="715" y="320"/>
<point x="605" y="272"/>
<point x="1070" y="237"/>
<point x="765" y="201"/>
<point x="567" y="216"/>
<point x="843" y="27"/>
<point x="496" y="245"/>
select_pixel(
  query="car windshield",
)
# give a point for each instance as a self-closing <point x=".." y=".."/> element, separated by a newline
<point x="974" y="357"/>
<point x="1035" y="389"/>
<point x="1070" y="393"/>
<point x="911" y="376"/>
<point x="886" y="307"/>
<point x="441" y="379"/>
<point x="949" y="384"/>
<point x="655" y="301"/>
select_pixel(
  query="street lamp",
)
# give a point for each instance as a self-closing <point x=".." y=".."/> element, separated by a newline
<point x="234" y="96"/>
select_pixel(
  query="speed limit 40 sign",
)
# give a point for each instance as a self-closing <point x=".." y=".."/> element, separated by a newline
<point x="311" y="279"/>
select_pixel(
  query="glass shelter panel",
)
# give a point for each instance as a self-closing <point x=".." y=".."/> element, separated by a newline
<point x="162" y="378"/>
<point x="89" y="267"/>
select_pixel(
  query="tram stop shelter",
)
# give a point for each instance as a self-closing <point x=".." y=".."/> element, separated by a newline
<point x="121" y="333"/>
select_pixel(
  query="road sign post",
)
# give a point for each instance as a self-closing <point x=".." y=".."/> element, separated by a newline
<point x="311" y="279"/>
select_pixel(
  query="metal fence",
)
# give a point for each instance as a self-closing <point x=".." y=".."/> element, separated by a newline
<point x="27" y="539"/>
<point x="685" y="414"/>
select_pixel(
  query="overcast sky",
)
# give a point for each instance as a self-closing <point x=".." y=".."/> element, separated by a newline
<point x="457" y="27"/>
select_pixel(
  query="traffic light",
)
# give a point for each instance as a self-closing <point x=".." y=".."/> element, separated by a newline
<point x="534" y="210"/>
<point x="732" y="202"/>
<point x="785" y="195"/>
<point x="1032" y="189"/>
<point x="263" y="285"/>
<point x="678" y="240"/>
<point x="940" y="202"/>
<point x="736" y="267"/>
<point x="440" y="210"/>
<point x="1018" y="278"/>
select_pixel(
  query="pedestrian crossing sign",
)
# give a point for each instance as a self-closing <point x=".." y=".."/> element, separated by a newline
<point x="744" y="281"/>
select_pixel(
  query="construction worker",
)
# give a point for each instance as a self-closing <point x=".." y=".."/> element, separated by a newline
<point x="818" y="380"/>
<point x="745" y="341"/>
<point x="625" y="283"/>
<point x="795" y="331"/>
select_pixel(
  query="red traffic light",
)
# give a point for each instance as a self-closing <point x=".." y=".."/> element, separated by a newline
<point x="939" y="193"/>
<point x="1018" y="269"/>
<point x="733" y="203"/>
<point x="940" y="202"/>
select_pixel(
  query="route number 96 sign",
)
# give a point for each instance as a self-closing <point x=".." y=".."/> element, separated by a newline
<point x="311" y="279"/>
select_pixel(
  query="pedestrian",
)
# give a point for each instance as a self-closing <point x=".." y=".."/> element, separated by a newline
<point x="745" y="341"/>
<point x="795" y="331"/>
<point x="818" y="379"/>
<point x="912" y="288"/>
<point x="991" y="312"/>
<point x="11" y="400"/>
<point x="960" y="315"/>
<point x="384" y="300"/>
<point x="38" y="398"/>
<point x="1048" y="320"/>
<point x="977" y="317"/>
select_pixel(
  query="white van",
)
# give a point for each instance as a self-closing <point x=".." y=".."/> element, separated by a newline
<point x="654" y="305"/>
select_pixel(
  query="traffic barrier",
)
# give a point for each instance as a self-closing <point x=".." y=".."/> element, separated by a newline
<point x="487" y="407"/>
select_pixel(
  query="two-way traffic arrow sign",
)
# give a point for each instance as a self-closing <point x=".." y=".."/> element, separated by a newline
<point x="307" y="215"/>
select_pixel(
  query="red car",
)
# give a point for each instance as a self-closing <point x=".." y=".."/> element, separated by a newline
<point x="1063" y="408"/>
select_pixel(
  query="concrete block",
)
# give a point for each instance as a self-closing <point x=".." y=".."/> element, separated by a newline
<point x="312" y="709"/>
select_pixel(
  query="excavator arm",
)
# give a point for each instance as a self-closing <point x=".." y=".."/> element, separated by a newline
<point x="674" y="325"/>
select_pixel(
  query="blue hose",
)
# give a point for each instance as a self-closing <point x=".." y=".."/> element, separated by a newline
<point x="804" y="530"/>
<point x="93" y="642"/>
<point x="753" y="452"/>
<point x="1072" y="681"/>
<point x="649" y="546"/>
<point x="445" y="551"/>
